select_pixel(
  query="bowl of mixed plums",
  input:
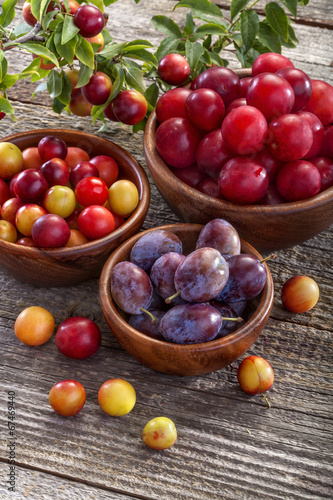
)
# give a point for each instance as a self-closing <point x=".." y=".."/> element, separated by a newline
<point x="67" y="200"/>
<point x="186" y="299"/>
<point x="252" y="146"/>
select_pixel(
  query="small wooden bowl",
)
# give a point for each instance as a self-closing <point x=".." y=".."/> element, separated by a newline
<point x="70" y="266"/>
<point x="265" y="227"/>
<point x="180" y="359"/>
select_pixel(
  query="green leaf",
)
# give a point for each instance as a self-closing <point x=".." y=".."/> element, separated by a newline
<point x="7" y="12"/>
<point x="303" y="2"/>
<point x="292" y="34"/>
<point x="166" y="46"/>
<point x="9" y="80"/>
<point x="267" y="37"/>
<point x="118" y="82"/>
<point x="139" y="126"/>
<point x="112" y="50"/>
<point x="134" y="77"/>
<point x="193" y="52"/>
<point x="210" y="29"/>
<point x="167" y="26"/>
<point x="39" y="74"/>
<point x="200" y="7"/>
<point x="69" y="30"/>
<point x="142" y="55"/>
<point x="47" y="20"/>
<point x="39" y="50"/>
<point x="291" y="6"/>
<point x="151" y="94"/>
<point x="66" y="50"/>
<point x="142" y="43"/>
<point x="84" y="75"/>
<point x="278" y="19"/>
<point x="5" y="106"/>
<point x="54" y="84"/>
<point x="21" y="29"/>
<point x="84" y="52"/>
<point x="40" y="88"/>
<point x="249" y="27"/>
<point x="217" y="20"/>
<point x="58" y="106"/>
<point x="189" y="25"/>
<point x="65" y="96"/>
<point x="207" y="42"/>
<point x="236" y="6"/>
<point x="3" y="66"/>
<point x="216" y="59"/>
<point x="98" y="3"/>
<point x="35" y="8"/>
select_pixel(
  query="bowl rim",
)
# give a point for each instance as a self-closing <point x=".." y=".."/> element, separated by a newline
<point x="155" y="164"/>
<point x="99" y="243"/>
<point x="265" y="303"/>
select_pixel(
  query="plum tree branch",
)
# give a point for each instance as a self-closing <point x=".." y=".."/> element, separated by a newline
<point x="32" y="36"/>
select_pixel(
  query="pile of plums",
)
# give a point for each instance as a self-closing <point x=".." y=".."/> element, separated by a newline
<point x="53" y="195"/>
<point x="265" y="139"/>
<point x="190" y="298"/>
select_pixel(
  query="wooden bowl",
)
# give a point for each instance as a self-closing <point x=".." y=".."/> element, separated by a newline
<point x="70" y="266"/>
<point x="180" y="359"/>
<point x="265" y="227"/>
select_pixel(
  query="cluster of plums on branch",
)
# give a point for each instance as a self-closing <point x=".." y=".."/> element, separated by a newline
<point x="53" y="195"/>
<point x="265" y="139"/>
<point x="190" y="298"/>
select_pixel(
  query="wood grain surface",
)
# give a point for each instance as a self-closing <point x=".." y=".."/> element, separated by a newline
<point x="230" y="445"/>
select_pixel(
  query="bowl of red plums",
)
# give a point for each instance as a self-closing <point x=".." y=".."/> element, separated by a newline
<point x="252" y="146"/>
<point x="67" y="200"/>
<point x="186" y="299"/>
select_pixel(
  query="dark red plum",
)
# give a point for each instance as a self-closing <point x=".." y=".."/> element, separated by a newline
<point x="30" y="185"/>
<point x="317" y="129"/>
<point x="270" y="62"/>
<point x="205" y="109"/>
<point x="56" y="172"/>
<point x="50" y="231"/>
<point x="210" y="187"/>
<point x="301" y="85"/>
<point x="289" y="137"/>
<point x="82" y="170"/>
<point x="171" y="104"/>
<point x="50" y="147"/>
<point x="325" y="167"/>
<point x="174" y="69"/>
<point x="223" y="80"/>
<point x="90" y="20"/>
<point x="191" y="175"/>
<point x="78" y="337"/>
<point x="298" y="180"/>
<point x="212" y="153"/>
<point x="321" y="101"/>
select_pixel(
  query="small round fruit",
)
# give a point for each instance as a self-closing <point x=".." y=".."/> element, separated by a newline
<point x="78" y="337"/>
<point x="50" y="147"/>
<point x="67" y="397"/>
<point x="123" y="197"/>
<point x="91" y="191"/>
<point x="60" y="200"/>
<point x="90" y="20"/>
<point x="11" y="160"/>
<point x="159" y="433"/>
<point x="116" y="397"/>
<point x="299" y="294"/>
<point x="95" y="222"/>
<point x="34" y="325"/>
<point x="270" y="62"/>
<point x="50" y="231"/>
<point x="130" y="107"/>
<point x="255" y="375"/>
<point x="7" y="231"/>
<point x="174" y="69"/>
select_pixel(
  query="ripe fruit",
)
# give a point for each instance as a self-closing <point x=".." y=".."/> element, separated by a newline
<point x="289" y="137"/>
<point x="90" y="20"/>
<point x="116" y="397"/>
<point x="26" y="216"/>
<point x="270" y="62"/>
<point x="123" y="197"/>
<point x="255" y="375"/>
<point x="159" y="433"/>
<point x="30" y="186"/>
<point x="50" y="231"/>
<point x="11" y="160"/>
<point x="205" y="109"/>
<point x="172" y="103"/>
<point x="95" y="222"/>
<point x="60" y="200"/>
<point x="50" y="147"/>
<point x="78" y="337"/>
<point x="174" y="69"/>
<point x="7" y="231"/>
<point x="98" y="89"/>
<point x="298" y="180"/>
<point x="67" y="397"/>
<point x="223" y="80"/>
<point x="131" y="287"/>
<point x="79" y="105"/>
<point x="299" y="294"/>
<point x="301" y="85"/>
<point x="34" y="325"/>
<point x="91" y="191"/>
<point x="321" y="101"/>
<point x="130" y="107"/>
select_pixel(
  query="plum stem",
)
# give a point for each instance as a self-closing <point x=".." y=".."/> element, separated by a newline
<point x="169" y="299"/>
<point x="268" y="258"/>
<point x="269" y="404"/>
<point x="152" y="317"/>
<point x="239" y="319"/>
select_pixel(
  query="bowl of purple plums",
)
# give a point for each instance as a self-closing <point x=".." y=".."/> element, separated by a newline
<point x="186" y="299"/>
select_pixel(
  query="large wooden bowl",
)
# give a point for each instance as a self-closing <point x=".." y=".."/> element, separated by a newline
<point x="70" y="266"/>
<point x="179" y="359"/>
<point x="265" y="227"/>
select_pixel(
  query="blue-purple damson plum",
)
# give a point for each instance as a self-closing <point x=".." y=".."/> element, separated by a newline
<point x="191" y="323"/>
<point x="131" y="288"/>
<point x="230" y="319"/>
<point x="152" y="245"/>
<point x="202" y="275"/>
<point x="247" y="278"/>
<point x="144" y="324"/>
<point x="220" y="234"/>
<point x="163" y="272"/>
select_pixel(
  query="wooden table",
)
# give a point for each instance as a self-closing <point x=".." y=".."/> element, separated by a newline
<point x="230" y="446"/>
